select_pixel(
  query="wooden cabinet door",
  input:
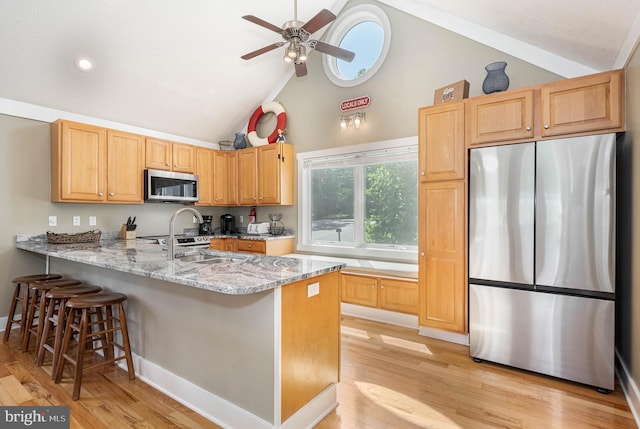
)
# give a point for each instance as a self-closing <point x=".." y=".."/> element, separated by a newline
<point x="584" y="104"/>
<point x="442" y="255"/>
<point x="360" y="290"/>
<point x="157" y="154"/>
<point x="230" y="244"/>
<point x="232" y="178"/>
<point x="250" y="246"/>
<point x="247" y="177"/>
<point x="125" y="167"/>
<point x="441" y="142"/>
<point x="500" y="117"/>
<point x="269" y="174"/>
<point x="217" y="244"/>
<point x="205" y="172"/>
<point x="220" y="178"/>
<point x="184" y="158"/>
<point x="81" y="163"/>
<point x="398" y="295"/>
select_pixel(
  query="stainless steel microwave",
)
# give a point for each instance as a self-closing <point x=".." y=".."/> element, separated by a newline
<point x="170" y="187"/>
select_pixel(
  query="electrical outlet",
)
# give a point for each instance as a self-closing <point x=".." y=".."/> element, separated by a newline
<point x="313" y="289"/>
<point x="241" y="219"/>
<point x="92" y="221"/>
<point x="53" y="220"/>
<point x="76" y="221"/>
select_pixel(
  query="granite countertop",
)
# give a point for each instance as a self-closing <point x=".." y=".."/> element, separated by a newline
<point x="260" y="237"/>
<point x="233" y="273"/>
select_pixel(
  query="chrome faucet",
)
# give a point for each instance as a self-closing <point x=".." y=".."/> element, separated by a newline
<point x="172" y="227"/>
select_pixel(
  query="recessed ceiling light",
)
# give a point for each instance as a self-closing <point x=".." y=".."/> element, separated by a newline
<point x="84" y="64"/>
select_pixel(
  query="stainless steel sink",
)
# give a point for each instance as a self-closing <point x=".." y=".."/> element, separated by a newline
<point x="204" y="259"/>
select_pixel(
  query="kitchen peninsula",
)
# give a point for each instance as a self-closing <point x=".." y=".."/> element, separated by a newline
<point x="244" y="339"/>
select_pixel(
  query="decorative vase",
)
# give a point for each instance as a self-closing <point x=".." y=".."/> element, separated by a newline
<point x="239" y="142"/>
<point x="496" y="80"/>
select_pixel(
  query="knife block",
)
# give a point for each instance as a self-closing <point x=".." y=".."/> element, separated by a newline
<point x="127" y="235"/>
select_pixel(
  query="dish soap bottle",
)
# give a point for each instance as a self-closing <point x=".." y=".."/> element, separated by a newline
<point x="252" y="215"/>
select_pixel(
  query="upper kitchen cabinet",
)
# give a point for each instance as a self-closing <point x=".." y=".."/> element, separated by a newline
<point x="232" y="178"/>
<point x="503" y="116"/>
<point x="265" y="175"/>
<point x="94" y="164"/>
<point x="204" y="170"/>
<point x="221" y="179"/>
<point x="125" y="163"/>
<point x="585" y="104"/>
<point x="166" y="155"/>
<point x="443" y="158"/>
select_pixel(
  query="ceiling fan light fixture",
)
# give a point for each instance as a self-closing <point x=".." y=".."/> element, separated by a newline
<point x="301" y="53"/>
<point x="287" y="59"/>
<point x="292" y="52"/>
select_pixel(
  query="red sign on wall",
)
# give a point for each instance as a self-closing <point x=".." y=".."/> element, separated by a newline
<point x="355" y="103"/>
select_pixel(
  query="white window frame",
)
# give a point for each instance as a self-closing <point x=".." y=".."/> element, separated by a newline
<point x="341" y="26"/>
<point x="381" y="252"/>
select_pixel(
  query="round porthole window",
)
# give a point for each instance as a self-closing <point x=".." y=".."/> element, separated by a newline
<point x="365" y="30"/>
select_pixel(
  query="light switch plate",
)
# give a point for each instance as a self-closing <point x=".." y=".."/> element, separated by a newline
<point x="53" y="220"/>
<point x="92" y="221"/>
<point x="76" y="221"/>
<point x="313" y="289"/>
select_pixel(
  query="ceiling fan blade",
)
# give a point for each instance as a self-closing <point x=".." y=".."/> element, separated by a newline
<point x="321" y="19"/>
<point x="334" y="51"/>
<point x="262" y="50"/>
<point x="301" y="69"/>
<point x="262" y="23"/>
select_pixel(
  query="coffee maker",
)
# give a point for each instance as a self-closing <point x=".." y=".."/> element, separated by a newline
<point x="227" y="224"/>
<point x="205" y="226"/>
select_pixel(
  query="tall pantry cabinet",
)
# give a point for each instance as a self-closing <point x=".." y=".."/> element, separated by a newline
<point x="442" y="218"/>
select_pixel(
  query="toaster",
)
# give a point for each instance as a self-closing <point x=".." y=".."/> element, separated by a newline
<point x="258" y="228"/>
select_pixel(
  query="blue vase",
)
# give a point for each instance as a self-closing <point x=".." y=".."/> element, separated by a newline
<point x="239" y="142"/>
<point x="496" y="80"/>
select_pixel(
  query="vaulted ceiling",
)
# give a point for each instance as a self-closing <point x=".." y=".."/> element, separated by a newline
<point x="175" y="67"/>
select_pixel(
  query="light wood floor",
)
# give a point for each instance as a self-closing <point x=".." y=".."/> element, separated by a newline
<point x="391" y="378"/>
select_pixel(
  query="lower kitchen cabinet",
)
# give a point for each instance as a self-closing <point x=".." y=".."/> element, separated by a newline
<point x="381" y="292"/>
<point x="281" y="246"/>
<point x="442" y="255"/>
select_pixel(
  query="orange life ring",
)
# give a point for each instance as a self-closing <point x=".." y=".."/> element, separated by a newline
<point x="273" y="107"/>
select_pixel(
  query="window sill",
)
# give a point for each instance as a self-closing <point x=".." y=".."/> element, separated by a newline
<point x="381" y="255"/>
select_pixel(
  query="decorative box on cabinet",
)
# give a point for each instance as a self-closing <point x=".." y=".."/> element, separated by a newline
<point x="443" y="124"/>
<point x="392" y="294"/>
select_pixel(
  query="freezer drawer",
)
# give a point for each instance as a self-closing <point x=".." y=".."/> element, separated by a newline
<point x="564" y="336"/>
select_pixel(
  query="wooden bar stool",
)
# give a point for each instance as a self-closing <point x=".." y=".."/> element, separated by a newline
<point x="101" y="329"/>
<point x="36" y="308"/>
<point x="54" y="319"/>
<point x="21" y="296"/>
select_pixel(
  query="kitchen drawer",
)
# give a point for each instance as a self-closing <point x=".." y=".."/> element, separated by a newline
<point x="252" y="246"/>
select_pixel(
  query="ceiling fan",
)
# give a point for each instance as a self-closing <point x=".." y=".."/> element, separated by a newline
<point x="296" y="34"/>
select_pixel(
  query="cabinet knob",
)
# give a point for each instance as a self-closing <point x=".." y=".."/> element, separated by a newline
<point x="111" y="193"/>
<point x="422" y="173"/>
<point x="167" y="164"/>
<point x="381" y="286"/>
<point x="528" y="128"/>
<point x="421" y="253"/>
<point x="249" y="246"/>
<point x="99" y="194"/>
<point x="546" y="126"/>
<point x="373" y="286"/>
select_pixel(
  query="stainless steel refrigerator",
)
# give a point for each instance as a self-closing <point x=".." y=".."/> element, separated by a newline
<point x="542" y="257"/>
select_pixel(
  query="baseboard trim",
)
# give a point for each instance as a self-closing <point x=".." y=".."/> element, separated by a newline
<point x="378" y="315"/>
<point x="438" y="334"/>
<point x="629" y="387"/>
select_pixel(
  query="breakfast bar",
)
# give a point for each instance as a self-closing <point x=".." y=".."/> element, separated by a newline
<point x="246" y="340"/>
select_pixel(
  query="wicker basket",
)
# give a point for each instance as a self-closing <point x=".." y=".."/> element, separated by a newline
<point x="226" y="145"/>
<point x="79" y="237"/>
